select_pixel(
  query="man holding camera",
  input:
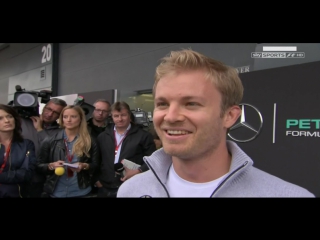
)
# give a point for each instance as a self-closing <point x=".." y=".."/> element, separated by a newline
<point x="37" y="128"/>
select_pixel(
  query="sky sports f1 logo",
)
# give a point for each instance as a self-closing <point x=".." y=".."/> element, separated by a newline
<point x="278" y="52"/>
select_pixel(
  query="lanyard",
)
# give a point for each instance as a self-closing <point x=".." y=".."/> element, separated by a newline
<point x="70" y="172"/>
<point x="115" y="142"/>
<point x="70" y="157"/>
<point x="5" y="159"/>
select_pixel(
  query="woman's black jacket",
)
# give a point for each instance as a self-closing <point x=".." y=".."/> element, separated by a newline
<point x="53" y="149"/>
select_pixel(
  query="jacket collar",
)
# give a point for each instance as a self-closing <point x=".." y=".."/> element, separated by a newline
<point x="90" y="123"/>
<point x="127" y="130"/>
<point x="51" y="126"/>
<point x="159" y="162"/>
<point x="59" y="135"/>
<point x="110" y="129"/>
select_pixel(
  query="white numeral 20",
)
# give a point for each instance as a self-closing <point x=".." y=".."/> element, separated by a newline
<point x="46" y="57"/>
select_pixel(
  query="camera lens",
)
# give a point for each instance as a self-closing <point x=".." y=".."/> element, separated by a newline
<point x="26" y="100"/>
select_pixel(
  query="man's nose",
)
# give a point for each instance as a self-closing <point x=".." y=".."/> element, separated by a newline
<point x="174" y="113"/>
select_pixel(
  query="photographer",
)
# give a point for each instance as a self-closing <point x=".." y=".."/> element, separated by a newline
<point x="37" y="128"/>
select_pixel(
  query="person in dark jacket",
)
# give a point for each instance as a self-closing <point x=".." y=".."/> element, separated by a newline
<point x="98" y="121"/>
<point x="72" y="145"/>
<point x="17" y="155"/>
<point x="121" y="140"/>
<point x="37" y="128"/>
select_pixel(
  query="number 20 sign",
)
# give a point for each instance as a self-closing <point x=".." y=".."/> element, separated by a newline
<point x="46" y="57"/>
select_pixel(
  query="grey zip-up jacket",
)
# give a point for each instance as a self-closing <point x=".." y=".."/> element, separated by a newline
<point x="243" y="179"/>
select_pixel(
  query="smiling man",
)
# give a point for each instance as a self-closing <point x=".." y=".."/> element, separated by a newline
<point x="196" y="101"/>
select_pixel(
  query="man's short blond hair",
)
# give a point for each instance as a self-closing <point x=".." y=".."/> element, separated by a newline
<point x="225" y="78"/>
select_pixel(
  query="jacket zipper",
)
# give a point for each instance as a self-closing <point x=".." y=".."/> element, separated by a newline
<point x="10" y="170"/>
<point x="19" y="191"/>
<point x="225" y="180"/>
<point x="158" y="179"/>
<point x="55" y="182"/>
<point x="27" y="155"/>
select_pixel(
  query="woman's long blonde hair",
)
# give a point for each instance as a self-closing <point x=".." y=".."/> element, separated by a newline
<point x="83" y="143"/>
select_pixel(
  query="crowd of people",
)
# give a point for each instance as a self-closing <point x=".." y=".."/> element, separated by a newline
<point x="60" y="154"/>
<point x="197" y="99"/>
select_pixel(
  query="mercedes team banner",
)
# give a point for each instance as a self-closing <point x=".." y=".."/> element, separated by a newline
<point x="280" y="123"/>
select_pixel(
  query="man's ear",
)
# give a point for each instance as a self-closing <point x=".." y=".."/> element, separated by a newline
<point x="231" y="116"/>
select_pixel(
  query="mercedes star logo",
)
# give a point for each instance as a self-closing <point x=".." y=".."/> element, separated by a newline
<point x="244" y="130"/>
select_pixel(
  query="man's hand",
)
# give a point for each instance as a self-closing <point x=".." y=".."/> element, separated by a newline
<point x="129" y="173"/>
<point x="98" y="184"/>
<point x="37" y="122"/>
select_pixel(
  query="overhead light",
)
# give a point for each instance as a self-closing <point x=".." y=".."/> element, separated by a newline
<point x="145" y="91"/>
<point x="149" y="95"/>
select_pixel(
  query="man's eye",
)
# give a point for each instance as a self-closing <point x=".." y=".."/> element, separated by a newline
<point x="161" y="104"/>
<point x="192" y="104"/>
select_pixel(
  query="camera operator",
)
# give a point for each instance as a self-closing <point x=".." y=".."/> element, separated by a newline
<point x="37" y="128"/>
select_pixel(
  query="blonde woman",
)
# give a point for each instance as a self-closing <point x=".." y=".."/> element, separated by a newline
<point x="74" y="146"/>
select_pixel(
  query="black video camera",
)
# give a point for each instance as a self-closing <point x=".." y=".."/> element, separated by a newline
<point x="138" y="116"/>
<point x="26" y="103"/>
<point x="86" y="107"/>
<point x="141" y="117"/>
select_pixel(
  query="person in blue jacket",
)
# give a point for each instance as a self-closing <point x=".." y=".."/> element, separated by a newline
<point x="17" y="155"/>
